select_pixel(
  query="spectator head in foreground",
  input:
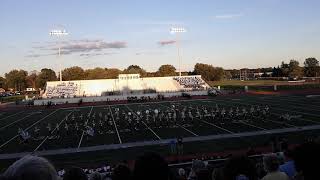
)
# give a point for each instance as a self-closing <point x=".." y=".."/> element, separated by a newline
<point x="75" y="173"/>
<point x="271" y="165"/>
<point x="121" y="172"/>
<point x="217" y="174"/>
<point x="288" y="167"/>
<point x="306" y="159"/>
<point x="182" y="174"/>
<point x="96" y="176"/>
<point x="150" y="166"/>
<point x="240" y="167"/>
<point x="197" y="166"/>
<point x="31" y="168"/>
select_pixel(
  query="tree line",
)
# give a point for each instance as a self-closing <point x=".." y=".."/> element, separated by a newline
<point x="19" y="80"/>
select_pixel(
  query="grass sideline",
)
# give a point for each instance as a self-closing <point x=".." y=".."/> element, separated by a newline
<point x="12" y="98"/>
<point x="263" y="85"/>
<point x="245" y="83"/>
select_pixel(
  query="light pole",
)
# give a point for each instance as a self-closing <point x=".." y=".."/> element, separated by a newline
<point x="59" y="33"/>
<point x="177" y="31"/>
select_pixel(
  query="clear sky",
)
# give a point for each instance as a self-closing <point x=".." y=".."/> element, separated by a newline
<point x="117" y="33"/>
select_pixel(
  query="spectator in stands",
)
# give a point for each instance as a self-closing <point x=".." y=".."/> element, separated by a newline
<point x="271" y="165"/>
<point x="288" y="167"/>
<point x="182" y="174"/>
<point x="75" y="173"/>
<point x="306" y="159"/>
<point x="150" y="166"/>
<point x="260" y="170"/>
<point x="203" y="174"/>
<point x="251" y="151"/>
<point x="239" y="168"/>
<point x="197" y="166"/>
<point x="121" y="172"/>
<point x="31" y="168"/>
<point x="217" y="174"/>
<point x="96" y="176"/>
<point x="2" y="177"/>
<point x="283" y="145"/>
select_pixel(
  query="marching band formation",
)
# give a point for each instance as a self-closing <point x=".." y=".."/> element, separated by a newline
<point x="173" y="116"/>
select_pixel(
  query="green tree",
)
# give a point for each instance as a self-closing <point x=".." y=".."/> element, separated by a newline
<point x="284" y="69"/>
<point x="73" y="73"/>
<point x="44" y="76"/>
<point x="32" y="79"/>
<point x="295" y="71"/>
<point x="311" y="67"/>
<point x="113" y="73"/>
<point x="276" y="72"/>
<point x="135" y="69"/>
<point x="167" y="70"/>
<point x="208" y="72"/>
<point x="96" y="73"/>
<point x="205" y="70"/>
<point x="2" y="82"/>
<point x="16" y="79"/>
<point x="218" y="74"/>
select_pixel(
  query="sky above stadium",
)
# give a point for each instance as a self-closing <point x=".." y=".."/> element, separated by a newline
<point x="118" y="33"/>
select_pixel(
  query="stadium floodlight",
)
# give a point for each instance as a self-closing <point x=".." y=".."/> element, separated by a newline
<point x="59" y="33"/>
<point x="177" y="31"/>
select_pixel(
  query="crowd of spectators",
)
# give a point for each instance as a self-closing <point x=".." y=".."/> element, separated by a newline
<point x="190" y="82"/>
<point x="300" y="163"/>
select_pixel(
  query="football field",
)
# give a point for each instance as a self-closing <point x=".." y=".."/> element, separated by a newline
<point x="298" y="111"/>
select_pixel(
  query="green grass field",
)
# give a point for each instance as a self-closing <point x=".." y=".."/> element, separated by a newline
<point x="303" y="111"/>
<point x="245" y="83"/>
<point x="264" y="85"/>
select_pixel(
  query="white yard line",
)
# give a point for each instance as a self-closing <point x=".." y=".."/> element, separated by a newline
<point x="15" y="122"/>
<point x="83" y="130"/>
<point x="11" y="115"/>
<point x="251" y="125"/>
<point x="188" y="130"/>
<point x="311" y="114"/>
<point x="248" y="124"/>
<point x="217" y="126"/>
<point x="300" y="119"/>
<point x="14" y="137"/>
<point x="151" y="130"/>
<point x="295" y="111"/>
<point x="145" y="124"/>
<point x="296" y="105"/>
<point x="179" y="124"/>
<point x="279" y="122"/>
<point x="51" y="133"/>
<point x="115" y="125"/>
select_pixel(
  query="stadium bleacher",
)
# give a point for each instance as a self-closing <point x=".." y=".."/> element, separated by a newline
<point x="132" y="85"/>
<point x="193" y="82"/>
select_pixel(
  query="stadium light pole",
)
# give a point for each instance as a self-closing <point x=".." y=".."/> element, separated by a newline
<point x="177" y="31"/>
<point x="59" y="33"/>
